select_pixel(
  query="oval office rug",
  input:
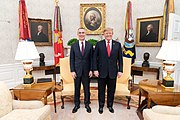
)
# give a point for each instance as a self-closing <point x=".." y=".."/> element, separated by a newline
<point x="94" y="96"/>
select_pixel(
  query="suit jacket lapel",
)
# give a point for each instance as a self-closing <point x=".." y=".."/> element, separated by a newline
<point x="105" y="48"/>
<point x="86" y="47"/>
<point x="78" y="47"/>
<point x="112" y="47"/>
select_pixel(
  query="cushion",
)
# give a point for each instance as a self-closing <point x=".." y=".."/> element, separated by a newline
<point x="28" y="114"/>
<point x="32" y="104"/>
<point x="122" y="89"/>
<point x="68" y="89"/>
<point x="5" y="100"/>
<point x="166" y="110"/>
<point x="149" y="114"/>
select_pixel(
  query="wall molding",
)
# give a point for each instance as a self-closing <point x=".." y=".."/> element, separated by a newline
<point x="12" y="74"/>
<point x="177" y="74"/>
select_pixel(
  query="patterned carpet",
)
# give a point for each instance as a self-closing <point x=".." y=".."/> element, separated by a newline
<point x="120" y="107"/>
<point x="94" y="96"/>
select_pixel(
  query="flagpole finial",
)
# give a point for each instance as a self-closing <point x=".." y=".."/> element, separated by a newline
<point x="56" y="1"/>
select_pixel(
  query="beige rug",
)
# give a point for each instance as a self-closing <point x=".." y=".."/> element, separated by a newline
<point x="94" y="96"/>
<point x="120" y="112"/>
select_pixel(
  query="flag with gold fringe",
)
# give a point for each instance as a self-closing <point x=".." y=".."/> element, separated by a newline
<point x="58" y="42"/>
<point x="129" y="44"/>
<point x="24" y="30"/>
<point x="168" y="8"/>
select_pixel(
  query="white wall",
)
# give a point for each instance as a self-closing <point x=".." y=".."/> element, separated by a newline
<point x="12" y="74"/>
<point x="70" y="11"/>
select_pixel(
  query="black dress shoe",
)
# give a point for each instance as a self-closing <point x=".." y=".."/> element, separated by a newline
<point x="75" y="109"/>
<point x="100" y="110"/>
<point x="111" y="109"/>
<point x="88" y="109"/>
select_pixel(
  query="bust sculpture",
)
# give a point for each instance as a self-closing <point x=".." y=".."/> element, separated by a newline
<point x="146" y="62"/>
<point x="41" y="59"/>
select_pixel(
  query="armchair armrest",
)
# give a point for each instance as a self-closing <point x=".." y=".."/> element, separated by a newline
<point x="61" y="82"/>
<point x="130" y="82"/>
<point x="166" y="110"/>
<point x="27" y="104"/>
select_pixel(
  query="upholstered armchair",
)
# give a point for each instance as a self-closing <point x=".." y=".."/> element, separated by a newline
<point x="122" y="86"/>
<point x="21" y="110"/>
<point x="160" y="112"/>
<point x="67" y="80"/>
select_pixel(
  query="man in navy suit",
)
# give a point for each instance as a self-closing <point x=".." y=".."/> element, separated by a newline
<point x="81" y="58"/>
<point x="107" y="65"/>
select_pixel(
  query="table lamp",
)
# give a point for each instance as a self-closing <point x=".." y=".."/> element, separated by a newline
<point x="170" y="53"/>
<point x="26" y="52"/>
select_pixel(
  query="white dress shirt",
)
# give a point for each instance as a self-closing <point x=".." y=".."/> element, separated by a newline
<point x="110" y="43"/>
<point x="80" y="45"/>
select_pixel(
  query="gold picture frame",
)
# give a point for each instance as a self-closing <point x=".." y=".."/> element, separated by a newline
<point x="148" y="31"/>
<point x="92" y="17"/>
<point x="43" y="38"/>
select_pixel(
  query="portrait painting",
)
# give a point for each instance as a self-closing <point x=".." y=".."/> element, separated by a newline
<point x="41" y="31"/>
<point x="92" y="17"/>
<point x="149" y="31"/>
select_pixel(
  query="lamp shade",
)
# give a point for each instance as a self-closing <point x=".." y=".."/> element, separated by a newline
<point x="169" y="51"/>
<point x="26" y="50"/>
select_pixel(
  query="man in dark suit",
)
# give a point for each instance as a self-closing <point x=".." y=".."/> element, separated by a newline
<point x="81" y="56"/>
<point x="107" y="65"/>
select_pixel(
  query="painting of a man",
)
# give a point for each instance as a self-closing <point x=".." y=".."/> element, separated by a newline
<point x="149" y="36"/>
<point x="92" y="19"/>
<point x="40" y="36"/>
<point x="149" y="31"/>
<point x="41" y="31"/>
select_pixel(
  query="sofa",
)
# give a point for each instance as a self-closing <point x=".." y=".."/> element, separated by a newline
<point x="21" y="110"/>
<point x="160" y="112"/>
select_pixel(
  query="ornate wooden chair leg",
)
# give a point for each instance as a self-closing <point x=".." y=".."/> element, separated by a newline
<point x="129" y="99"/>
<point x="62" y="99"/>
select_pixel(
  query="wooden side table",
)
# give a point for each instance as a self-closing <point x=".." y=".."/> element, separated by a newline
<point x="138" y="70"/>
<point x="38" y="91"/>
<point x="154" y="92"/>
<point x="46" y="67"/>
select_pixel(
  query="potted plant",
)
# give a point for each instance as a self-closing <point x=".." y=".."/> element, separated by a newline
<point x="93" y="41"/>
<point x="72" y="41"/>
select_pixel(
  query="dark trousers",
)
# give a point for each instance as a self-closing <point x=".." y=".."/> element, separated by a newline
<point x="111" y="87"/>
<point x="86" y="86"/>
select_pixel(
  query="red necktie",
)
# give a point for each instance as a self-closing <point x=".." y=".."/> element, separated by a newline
<point x="82" y="48"/>
<point x="108" y="49"/>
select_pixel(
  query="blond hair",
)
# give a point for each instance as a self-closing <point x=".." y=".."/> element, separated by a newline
<point x="108" y="29"/>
